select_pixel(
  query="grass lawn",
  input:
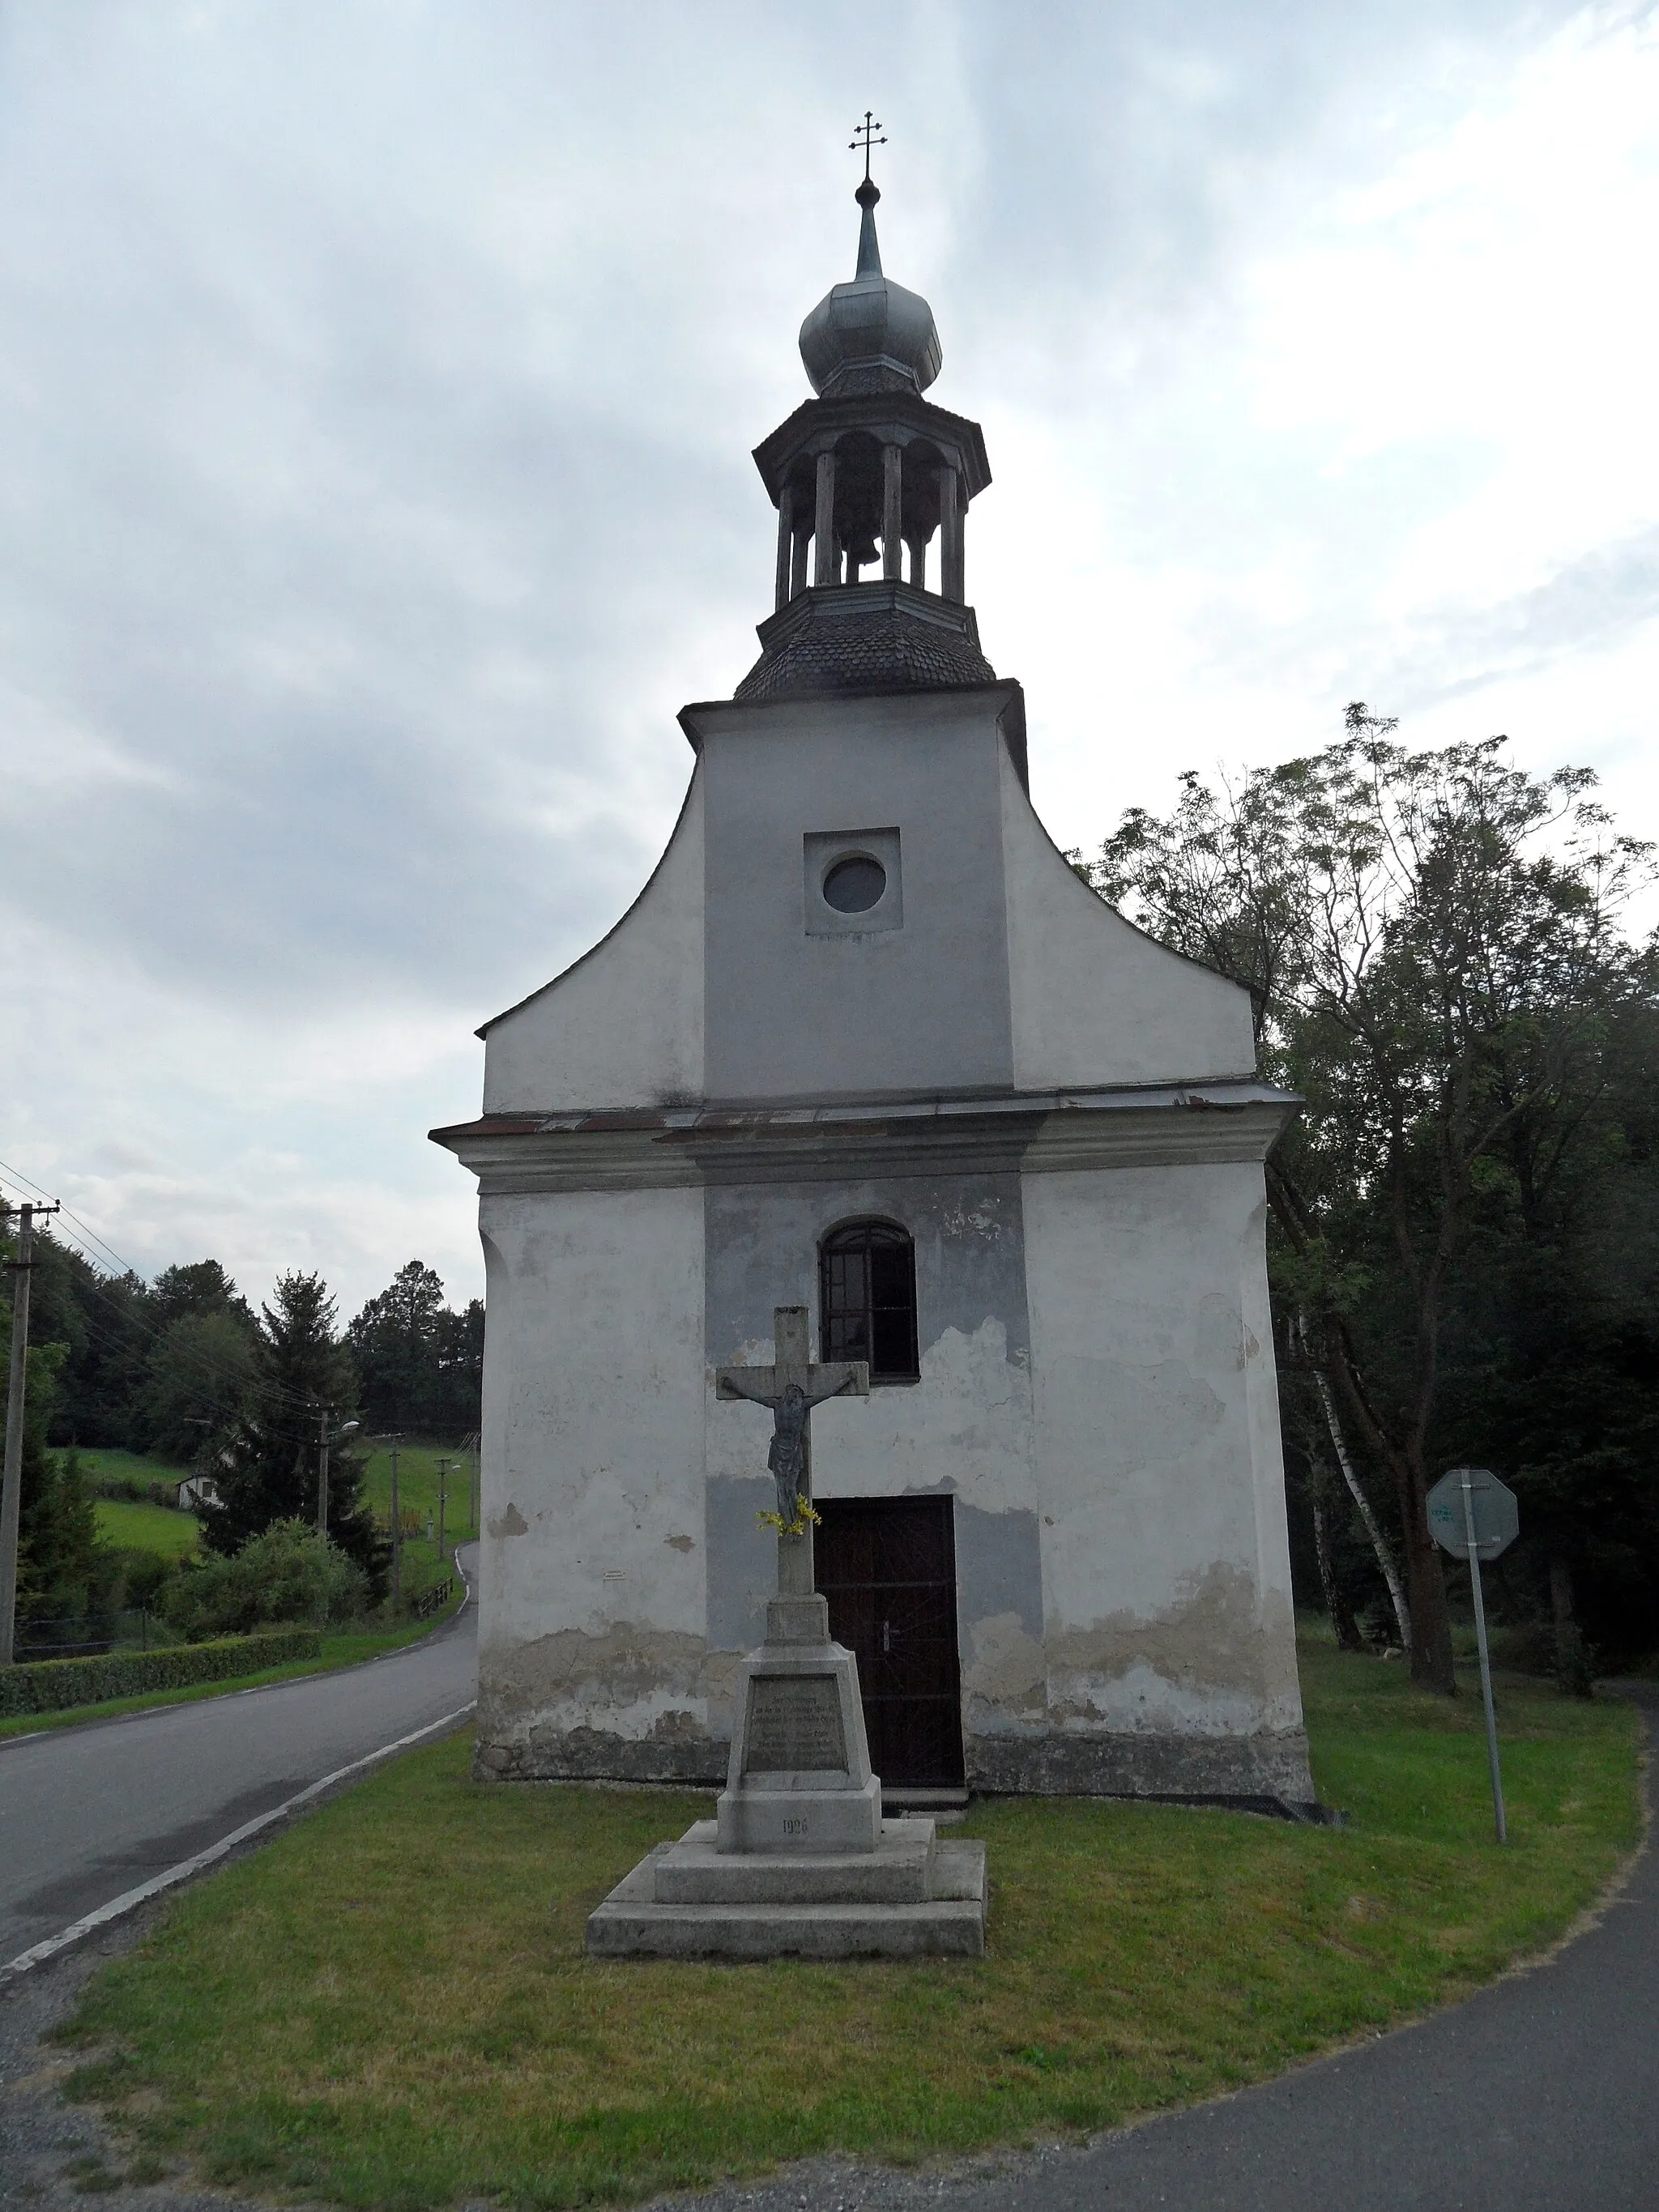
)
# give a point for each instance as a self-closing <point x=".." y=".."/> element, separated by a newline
<point x="145" y="1527"/>
<point x="391" y="2006"/>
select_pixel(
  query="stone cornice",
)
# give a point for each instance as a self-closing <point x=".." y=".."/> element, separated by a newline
<point x="1192" y="1124"/>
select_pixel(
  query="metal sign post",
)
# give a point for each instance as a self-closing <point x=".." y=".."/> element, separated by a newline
<point x="1474" y="1517"/>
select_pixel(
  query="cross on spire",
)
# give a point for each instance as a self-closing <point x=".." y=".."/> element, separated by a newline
<point x="864" y="137"/>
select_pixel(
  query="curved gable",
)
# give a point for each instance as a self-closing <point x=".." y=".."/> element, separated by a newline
<point x="1095" y="1001"/>
<point x="624" y="1027"/>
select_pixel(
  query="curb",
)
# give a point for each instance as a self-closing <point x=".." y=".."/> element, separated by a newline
<point x="170" y="1877"/>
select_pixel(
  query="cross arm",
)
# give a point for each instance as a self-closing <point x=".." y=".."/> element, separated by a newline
<point x="848" y="1378"/>
<point x="759" y="1384"/>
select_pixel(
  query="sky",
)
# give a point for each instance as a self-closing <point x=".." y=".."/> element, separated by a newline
<point x="377" y="379"/>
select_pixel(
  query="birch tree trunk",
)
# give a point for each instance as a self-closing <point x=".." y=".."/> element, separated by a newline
<point x="1347" y="1628"/>
<point x="1385" y="1558"/>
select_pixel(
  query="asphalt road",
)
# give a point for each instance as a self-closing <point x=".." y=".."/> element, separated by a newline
<point x="1541" y="2095"/>
<point x="87" y="1814"/>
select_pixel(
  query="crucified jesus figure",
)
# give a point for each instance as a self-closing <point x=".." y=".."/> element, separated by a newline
<point x="789" y="1389"/>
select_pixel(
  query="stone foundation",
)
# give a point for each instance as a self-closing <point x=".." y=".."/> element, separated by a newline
<point x="1263" y="1772"/>
<point x="1244" y="1771"/>
<point x="594" y="1755"/>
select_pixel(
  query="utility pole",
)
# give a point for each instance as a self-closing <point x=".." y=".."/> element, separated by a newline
<point x="397" y="1526"/>
<point x="443" y="1499"/>
<point x="11" y="1494"/>
<point x="325" y="1414"/>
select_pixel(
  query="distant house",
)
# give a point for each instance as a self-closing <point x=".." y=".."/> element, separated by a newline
<point x="197" y="1489"/>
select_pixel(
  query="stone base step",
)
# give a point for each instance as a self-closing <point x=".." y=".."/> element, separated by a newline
<point x="942" y="1803"/>
<point x="632" y="1924"/>
<point x="695" y="1871"/>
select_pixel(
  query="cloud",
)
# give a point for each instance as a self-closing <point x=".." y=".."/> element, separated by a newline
<point x="379" y="381"/>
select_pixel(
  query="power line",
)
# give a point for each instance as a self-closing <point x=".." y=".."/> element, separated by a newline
<point x="125" y="1267"/>
<point x="151" y="1330"/>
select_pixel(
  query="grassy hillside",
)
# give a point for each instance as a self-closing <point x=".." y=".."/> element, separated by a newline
<point x="156" y="1529"/>
<point x="130" y="1466"/>
<point x="146" y="1528"/>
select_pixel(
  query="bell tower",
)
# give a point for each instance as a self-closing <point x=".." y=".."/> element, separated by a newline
<point x="866" y="476"/>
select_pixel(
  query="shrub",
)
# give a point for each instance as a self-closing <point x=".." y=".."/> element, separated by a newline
<point x="46" y="1686"/>
<point x="287" y="1572"/>
<point x="138" y="1577"/>
<point x="126" y="1487"/>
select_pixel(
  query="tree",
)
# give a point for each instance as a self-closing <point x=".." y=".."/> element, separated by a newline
<point x="61" y="1569"/>
<point x="1431" y="945"/>
<point x="268" y="1471"/>
<point x="103" y="1322"/>
<point x="395" y="1342"/>
<point x="197" y="1380"/>
<point x="419" y="1361"/>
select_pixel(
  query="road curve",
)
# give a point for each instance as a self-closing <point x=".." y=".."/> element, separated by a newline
<point x="1541" y="2093"/>
<point x="89" y="1812"/>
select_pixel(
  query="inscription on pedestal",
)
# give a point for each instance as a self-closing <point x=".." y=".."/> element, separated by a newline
<point x="794" y="1723"/>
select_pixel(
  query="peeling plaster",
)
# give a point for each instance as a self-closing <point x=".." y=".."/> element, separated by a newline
<point x="1214" y="1661"/>
<point x="1003" y="1676"/>
<point x="630" y="1682"/>
<point x="510" y="1523"/>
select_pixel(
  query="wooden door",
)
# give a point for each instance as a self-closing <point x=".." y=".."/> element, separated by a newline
<point x="888" y="1567"/>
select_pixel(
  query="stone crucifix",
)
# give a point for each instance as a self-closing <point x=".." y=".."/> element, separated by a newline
<point x="789" y="1389"/>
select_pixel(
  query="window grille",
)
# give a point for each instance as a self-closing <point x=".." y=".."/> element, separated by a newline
<point x="868" y="1299"/>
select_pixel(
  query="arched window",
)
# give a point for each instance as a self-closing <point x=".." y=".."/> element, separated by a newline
<point x="868" y="1299"/>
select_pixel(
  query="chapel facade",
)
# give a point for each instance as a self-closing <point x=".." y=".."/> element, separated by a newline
<point x="866" y="1044"/>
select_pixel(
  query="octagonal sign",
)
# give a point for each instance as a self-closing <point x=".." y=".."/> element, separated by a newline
<point x="1496" y="1515"/>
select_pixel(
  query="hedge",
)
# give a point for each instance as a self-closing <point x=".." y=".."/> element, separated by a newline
<point x="46" y="1686"/>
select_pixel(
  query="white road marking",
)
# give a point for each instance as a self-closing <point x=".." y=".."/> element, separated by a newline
<point x="38" y="1953"/>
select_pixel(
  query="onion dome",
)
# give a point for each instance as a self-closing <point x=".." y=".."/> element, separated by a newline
<point x="871" y="335"/>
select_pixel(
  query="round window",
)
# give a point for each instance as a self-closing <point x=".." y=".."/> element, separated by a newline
<point x="853" y="885"/>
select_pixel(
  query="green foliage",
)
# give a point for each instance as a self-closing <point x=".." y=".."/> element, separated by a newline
<point x="1466" y="1213"/>
<point x="139" y="1575"/>
<point x="268" y="1471"/>
<point x="287" y="1572"/>
<point x="61" y="1568"/>
<point x="60" y="1571"/>
<point x="157" y="1366"/>
<point x="46" y="1686"/>
<point x="420" y="1364"/>
<point x="199" y="1375"/>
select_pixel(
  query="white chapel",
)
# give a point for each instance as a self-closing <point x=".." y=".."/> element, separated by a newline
<point x="866" y="1044"/>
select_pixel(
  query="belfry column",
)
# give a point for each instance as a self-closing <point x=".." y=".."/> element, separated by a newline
<point x="826" y="561"/>
<point x="782" y="594"/>
<point x="892" y="511"/>
<point x="951" y="582"/>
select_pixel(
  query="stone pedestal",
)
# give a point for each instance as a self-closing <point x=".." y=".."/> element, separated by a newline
<point x="798" y="1859"/>
<point x="800" y="1777"/>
